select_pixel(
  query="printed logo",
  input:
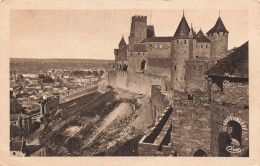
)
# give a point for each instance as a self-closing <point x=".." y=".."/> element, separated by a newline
<point x="234" y="149"/>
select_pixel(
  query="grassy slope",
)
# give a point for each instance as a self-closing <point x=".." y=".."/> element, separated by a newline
<point x="86" y="112"/>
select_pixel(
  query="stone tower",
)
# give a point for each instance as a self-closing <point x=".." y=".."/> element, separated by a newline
<point x="182" y="41"/>
<point x="138" y="31"/>
<point x="218" y="36"/>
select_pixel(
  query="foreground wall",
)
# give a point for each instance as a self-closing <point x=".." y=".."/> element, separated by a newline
<point x="230" y="104"/>
<point x="191" y="125"/>
<point x="158" y="141"/>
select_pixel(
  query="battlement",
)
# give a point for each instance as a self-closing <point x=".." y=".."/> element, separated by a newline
<point x="217" y="34"/>
<point x="139" y="18"/>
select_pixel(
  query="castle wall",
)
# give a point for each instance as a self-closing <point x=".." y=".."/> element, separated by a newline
<point x="233" y="93"/>
<point x="157" y="143"/>
<point x="219" y="44"/>
<point x="202" y="49"/>
<point x="122" y="80"/>
<point x="160" y="71"/>
<point x="195" y="77"/>
<point x="136" y="61"/>
<point x="231" y="104"/>
<point x="220" y="116"/>
<point x="141" y="83"/>
<point x="159" y="102"/>
<point x="158" y="49"/>
<point x="159" y="58"/>
<point x="112" y="78"/>
<point x="180" y="53"/>
<point x="191" y="125"/>
<point x="79" y="92"/>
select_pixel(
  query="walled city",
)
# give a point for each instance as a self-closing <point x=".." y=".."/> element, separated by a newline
<point x="197" y="91"/>
<point x="198" y="88"/>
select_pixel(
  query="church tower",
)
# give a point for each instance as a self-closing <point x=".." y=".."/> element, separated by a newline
<point x="138" y="31"/>
<point x="218" y="36"/>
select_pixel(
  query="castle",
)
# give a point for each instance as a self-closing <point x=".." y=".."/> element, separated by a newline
<point x="197" y="86"/>
<point x="177" y="62"/>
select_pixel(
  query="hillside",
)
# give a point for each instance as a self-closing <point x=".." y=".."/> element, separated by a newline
<point x="97" y="124"/>
<point x="26" y="65"/>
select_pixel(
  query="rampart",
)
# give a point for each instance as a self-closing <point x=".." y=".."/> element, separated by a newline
<point x="79" y="92"/>
<point x="141" y="82"/>
<point x="157" y="143"/>
<point x="122" y="79"/>
<point x="139" y="18"/>
<point x="159" y="102"/>
<point x="190" y="121"/>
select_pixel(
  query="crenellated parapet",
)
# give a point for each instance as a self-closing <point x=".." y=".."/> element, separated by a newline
<point x="139" y="18"/>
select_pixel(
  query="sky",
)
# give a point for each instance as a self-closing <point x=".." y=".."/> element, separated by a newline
<point x="93" y="34"/>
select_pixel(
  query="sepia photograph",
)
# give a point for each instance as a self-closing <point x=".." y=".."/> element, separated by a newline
<point x="155" y="88"/>
<point x="123" y="83"/>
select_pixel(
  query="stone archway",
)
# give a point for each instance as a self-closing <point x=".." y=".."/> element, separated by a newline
<point x="200" y="153"/>
<point x="240" y="127"/>
<point x="236" y="130"/>
<point x="234" y="118"/>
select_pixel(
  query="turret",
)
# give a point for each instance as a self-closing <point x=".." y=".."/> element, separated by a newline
<point x="218" y="36"/>
<point x="192" y="42"/>
<point x="202" y="45"/>
<point x="192" y="34"/>
<point x="183" y="29"/>
<point x="138" y="31"/>
<point x="182" y="49"/>
<point x="122" y="43"/>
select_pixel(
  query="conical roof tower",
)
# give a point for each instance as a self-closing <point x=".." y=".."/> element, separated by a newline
<point x="201" y="37"/>
<point x="122" y="42"/>
<point x="219" y="27"/>
<point x="183" y="29"/>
